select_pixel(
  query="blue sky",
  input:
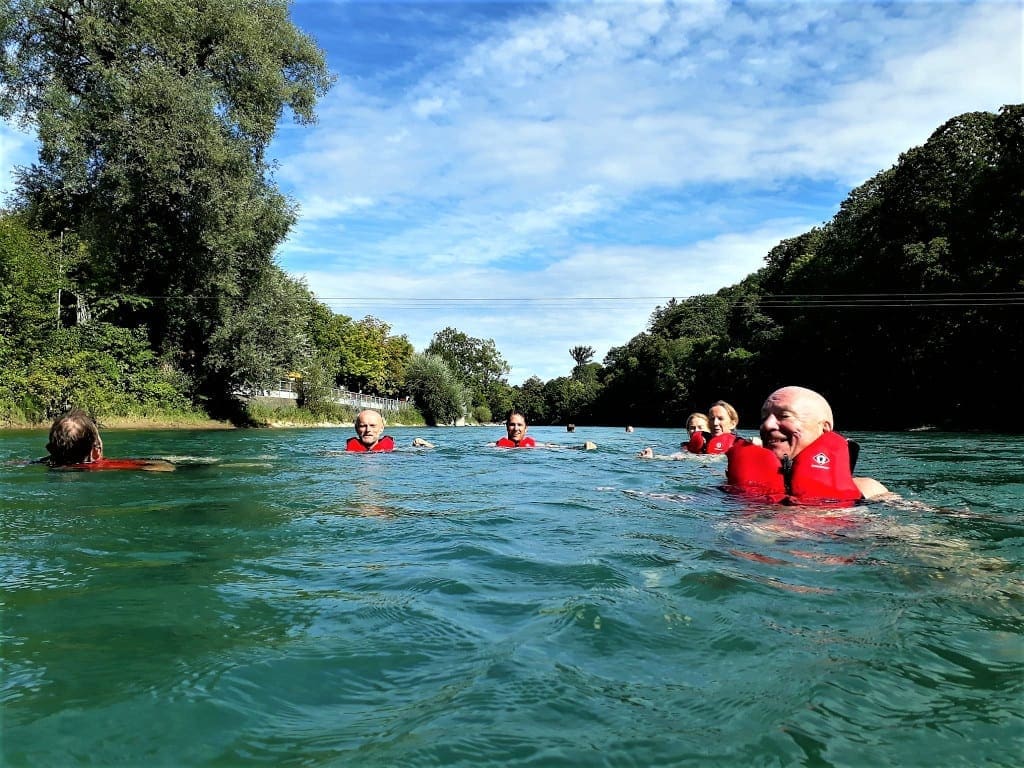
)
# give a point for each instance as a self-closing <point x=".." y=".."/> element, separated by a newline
<point x="545" y="175"/>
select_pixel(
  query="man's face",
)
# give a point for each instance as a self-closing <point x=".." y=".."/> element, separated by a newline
<point x="788" y="425"/>
<point x="368" y="428"/>
<point x="516" y="427"/>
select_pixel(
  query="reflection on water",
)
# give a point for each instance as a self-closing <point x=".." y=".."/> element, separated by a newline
<point x="277" y="601"/>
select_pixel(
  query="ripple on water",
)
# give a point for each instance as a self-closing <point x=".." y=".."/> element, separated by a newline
<point x="466" y="606"/>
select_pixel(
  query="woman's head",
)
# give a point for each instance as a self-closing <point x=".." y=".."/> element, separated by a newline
<point x="723" y="417"/>
<point x="697" y="422"/>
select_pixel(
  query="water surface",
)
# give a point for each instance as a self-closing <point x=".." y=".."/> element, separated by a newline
<point x="276" y="603"/>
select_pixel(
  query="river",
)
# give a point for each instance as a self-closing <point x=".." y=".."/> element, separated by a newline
<point x="277" y="602"/>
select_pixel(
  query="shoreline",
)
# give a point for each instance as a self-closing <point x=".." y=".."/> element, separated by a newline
<point x="118" y="422"/>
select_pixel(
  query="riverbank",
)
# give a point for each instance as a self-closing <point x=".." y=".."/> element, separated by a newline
<point x="134" y="422"/>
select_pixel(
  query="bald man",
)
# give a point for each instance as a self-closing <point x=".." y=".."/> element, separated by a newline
<point x="369" y="426"/>
<point x="803" y="460"/>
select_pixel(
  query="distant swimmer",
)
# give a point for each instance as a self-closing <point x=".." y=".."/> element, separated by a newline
<point x="516" y="437"/>
<point x="515" y="427"/>
<point x="710" y="435"/>
<point x="75" y="443"/>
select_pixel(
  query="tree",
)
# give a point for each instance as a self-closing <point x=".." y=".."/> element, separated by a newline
<point x="262" y="338"/>
<point x="582" y="355"/>
<point x="531" y="400"/>
<point x="439" y="395"/>
<point x="153" y="120"/>
<point x="371" y="359"/>
<point x="326" y="331"/>
<point x="28" y="290"/>
<point x="476" y="362"/>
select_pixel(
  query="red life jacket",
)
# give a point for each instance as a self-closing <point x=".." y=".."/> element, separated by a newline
<point x="720" y="443"/>
<point x="526" y="442"/>
<point x="100" y="464"/>
<point x="383" y="444"/>
<point x="697" y="442"/>
<point x="820" y="475"/>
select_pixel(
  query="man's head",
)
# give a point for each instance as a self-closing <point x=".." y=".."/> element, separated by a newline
<point x="515" y="425"/>
<point x="369" y="425"/>
<point x="792" y="418"/>
<point x="74" y="439"/>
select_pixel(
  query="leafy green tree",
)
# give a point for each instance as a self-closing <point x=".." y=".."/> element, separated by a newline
<point x="500" y="398"/>
<point x="437" y="391"/>
<point x="567" y="400"/>
<point x="648" y="381"/>
<point x="153" y="120"/>
<point x="582" y="355"/>
<point x="398" y="350"/>
<point x="315" y="388"/>
<point x="107" y="370"/>
<point x="476" y="362"/>
<point x="28" y="290"/>
<point x="326" y="331"/>
<point x="263" y="337"/>
<point x="531" y="400"/>
<point x="698" y="317"/>
<point x="371" y="359"/>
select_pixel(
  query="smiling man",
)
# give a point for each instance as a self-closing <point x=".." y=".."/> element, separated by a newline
<point x="369" y="425"/>
<point x="803" y="461"/>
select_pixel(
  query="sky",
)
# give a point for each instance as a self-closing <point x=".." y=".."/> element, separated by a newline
<point x="546" y="175"/>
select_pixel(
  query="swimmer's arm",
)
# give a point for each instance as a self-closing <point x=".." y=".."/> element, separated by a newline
<point x="587" y="446"/>
<point x="157" y="465"/>
<point x="871" y="488"/>
<point x="648" y="453"/>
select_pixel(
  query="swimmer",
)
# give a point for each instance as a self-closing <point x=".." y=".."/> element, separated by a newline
<point x="516" y="437"/>
<point x="793" y="420"/>
<point x="75" y="443"/>
<point x="369" y="426"/>
<point x="515" y="427"/>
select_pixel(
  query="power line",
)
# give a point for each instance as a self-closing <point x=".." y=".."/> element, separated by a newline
<point x="950" y="299"/>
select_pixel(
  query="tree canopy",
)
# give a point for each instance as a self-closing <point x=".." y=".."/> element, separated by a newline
<point x="153" y="120"/>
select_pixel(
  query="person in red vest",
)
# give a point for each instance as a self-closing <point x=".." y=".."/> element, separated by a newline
<point x="75" y="443"/>
<point x="369" y="425"/>
<point x="515" y="427"/>
<point x="802" y="460"/>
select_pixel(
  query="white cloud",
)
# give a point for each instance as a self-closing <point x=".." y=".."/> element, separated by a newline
<point x="521" y="166"/>
<point x="625" y="150"/>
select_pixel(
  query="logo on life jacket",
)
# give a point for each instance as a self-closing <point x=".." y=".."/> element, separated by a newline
<point x="821" y="460"/>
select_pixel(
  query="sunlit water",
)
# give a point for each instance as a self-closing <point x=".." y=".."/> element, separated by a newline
<point x="276" y="603"/>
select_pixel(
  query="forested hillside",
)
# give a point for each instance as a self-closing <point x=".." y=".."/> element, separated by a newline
<point x="906" y="309"/>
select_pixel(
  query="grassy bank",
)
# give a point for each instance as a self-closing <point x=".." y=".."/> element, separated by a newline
<point x="331" y="416"/>
<point x="255" y="416"/>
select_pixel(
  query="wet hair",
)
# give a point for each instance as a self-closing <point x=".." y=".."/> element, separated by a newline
<point x="697" y="415"/>
<point x="733" y="416"/>
<point x="516" y="412"/>
<point x="72" y="438"/>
